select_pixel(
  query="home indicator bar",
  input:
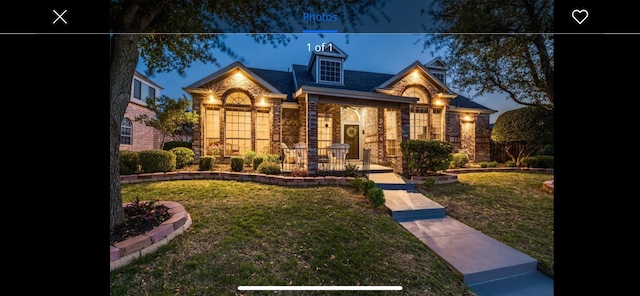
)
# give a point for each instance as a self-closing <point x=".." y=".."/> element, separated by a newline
<point x="320" y="288"/>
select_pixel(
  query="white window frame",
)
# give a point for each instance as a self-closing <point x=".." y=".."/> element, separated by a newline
<point x="319" y="71"/>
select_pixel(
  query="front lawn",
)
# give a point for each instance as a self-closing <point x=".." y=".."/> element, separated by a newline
<point x="248" y="234"/>
<point x="511" y="207"/>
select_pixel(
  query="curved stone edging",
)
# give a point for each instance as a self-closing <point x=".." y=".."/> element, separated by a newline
<point x="124" y="252"/>
<point x="502" y="169"/>
<point x="237" y="176"/>
<point x="445" y="178"/>
<point x="548" y="185"/>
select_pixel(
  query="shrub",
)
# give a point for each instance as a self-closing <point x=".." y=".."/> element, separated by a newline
<point x="257" y="160"/>
<point x="299" y="172"/>
<point x="206" y="163"/>
<point x="484" y="164"/>
<point x="424" y="156"/>
<point x="376" y="196"/>
<point x="459" y="160"/>
<point x="351" y="170"/>
<point x="428" y="183"/>
<point x="269" y="168"/>
<point x="248" y="156"/>
<point x="541" y="161"/>
<point x="510" y="163"/>
<point x="272" y="158"/>
<point x="216" y="151"/>
<point x="173" y="144"/>
<point x="237" y="163"/>
<point x="184" y="156"/>
<point x="129" y="162"/>
<point x="362" y="185"/>
<point x="492" y="164"/>
<point x="152" y="161"/>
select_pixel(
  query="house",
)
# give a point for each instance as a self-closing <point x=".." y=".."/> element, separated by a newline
<point x="136" y="136"/>
<point x="322" y="102"/>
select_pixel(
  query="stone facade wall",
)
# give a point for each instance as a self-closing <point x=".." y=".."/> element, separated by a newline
<point x="220" y="90"/>
<point x="452" y="129"/>
<point x="302" y="115"/>
<point x="290" y="126"/>
<point x="372" y="140"/>
<point x="143" y="137"/>
<point x="483" y="139"/>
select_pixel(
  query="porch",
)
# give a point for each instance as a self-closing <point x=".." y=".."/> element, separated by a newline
<point x="331" y="160"/>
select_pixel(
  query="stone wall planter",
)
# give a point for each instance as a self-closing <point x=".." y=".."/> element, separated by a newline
<point x="124" y="252"/>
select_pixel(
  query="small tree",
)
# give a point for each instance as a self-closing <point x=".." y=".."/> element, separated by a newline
<point x="172" y="118"/>
<point x="523" y="131"/>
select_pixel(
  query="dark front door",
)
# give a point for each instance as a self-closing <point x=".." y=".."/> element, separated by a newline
<point x="352" y="137"/>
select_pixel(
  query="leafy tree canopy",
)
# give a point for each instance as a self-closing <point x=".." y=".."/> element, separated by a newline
<point x="172" y="117"/>
<point x="510" y="50"/>
<point x="523" y="131"/>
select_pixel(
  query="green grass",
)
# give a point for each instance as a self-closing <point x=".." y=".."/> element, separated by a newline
<point x="255" y="234"/>
<point x="511" y="207"/>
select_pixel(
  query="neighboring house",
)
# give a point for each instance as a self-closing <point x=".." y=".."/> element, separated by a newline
<point x="321" y="103"/>
<point x="136" y="136"/>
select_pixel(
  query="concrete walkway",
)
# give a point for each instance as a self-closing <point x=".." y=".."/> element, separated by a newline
<point x="487" y="266"/>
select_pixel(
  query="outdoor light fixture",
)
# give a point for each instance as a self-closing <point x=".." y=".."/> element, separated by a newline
<point x="467" y="118"/>
<point x="212" y="99"/>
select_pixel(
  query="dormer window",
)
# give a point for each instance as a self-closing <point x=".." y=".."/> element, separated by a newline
<point x="440" y="76"/>
<point x="330" y="71"/>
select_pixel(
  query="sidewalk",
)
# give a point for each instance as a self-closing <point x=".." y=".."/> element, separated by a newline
<point x="487" y="266"/>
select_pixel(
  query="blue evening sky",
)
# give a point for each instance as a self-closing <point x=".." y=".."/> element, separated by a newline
<point x="382" y="53"/>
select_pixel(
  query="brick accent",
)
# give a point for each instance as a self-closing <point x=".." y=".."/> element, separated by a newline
<point x="143" y="137"/>
<point x="312" y="136"/>
<point x="402" y="167"/>
<point x="276" y="125"/>
<point x="290" y="127"/>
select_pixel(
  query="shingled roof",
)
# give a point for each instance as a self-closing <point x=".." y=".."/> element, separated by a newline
<point x="464" y="102"/>
<point x="353" y="80"/>
<point x="282" y="80"/>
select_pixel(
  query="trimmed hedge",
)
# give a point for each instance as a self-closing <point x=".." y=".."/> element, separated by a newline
<point x="154" y="161"/>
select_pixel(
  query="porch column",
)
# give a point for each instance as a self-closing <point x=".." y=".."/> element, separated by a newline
<point x="276" y="130"/>
<point x="381" y="156"/>
<point x="312" y="134"/>
<point x="404" y="130"/>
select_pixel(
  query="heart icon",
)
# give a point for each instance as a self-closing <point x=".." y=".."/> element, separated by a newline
<point x="579" y="15"/>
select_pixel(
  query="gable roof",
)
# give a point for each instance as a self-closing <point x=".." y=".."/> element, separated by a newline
<point x="146" y="79"/>
<point x="228" y="70"/>
<point x="436" y="63"/>
<point x="288" y="83"/>
<point x="335" y="53"/>
<point x="417" y="65"/>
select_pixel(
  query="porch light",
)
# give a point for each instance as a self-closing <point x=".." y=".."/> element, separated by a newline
<point x="211" y="99"/>
<point x="467" y="118"/>
<point x="437" y="102"/>
<point x="262" y="102"/>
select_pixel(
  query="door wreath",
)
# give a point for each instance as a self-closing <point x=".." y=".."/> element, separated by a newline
<point x="351" y="132"/>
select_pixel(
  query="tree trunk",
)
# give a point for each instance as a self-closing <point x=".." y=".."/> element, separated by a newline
<point x="124" y="58"/>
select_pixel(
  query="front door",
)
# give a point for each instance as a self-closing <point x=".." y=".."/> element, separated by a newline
<point x="352" y="137"/>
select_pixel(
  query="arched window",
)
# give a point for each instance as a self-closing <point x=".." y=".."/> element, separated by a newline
<point x="237" y="125"/>
<point x="419" y="116"/>
<point x="126" y="131"/>
<point x="416" y="92"/>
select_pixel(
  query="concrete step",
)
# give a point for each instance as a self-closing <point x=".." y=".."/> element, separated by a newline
<point x="408" y="206"/>
<point x="477" y="257"/>
<point x="529" y="284"/>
